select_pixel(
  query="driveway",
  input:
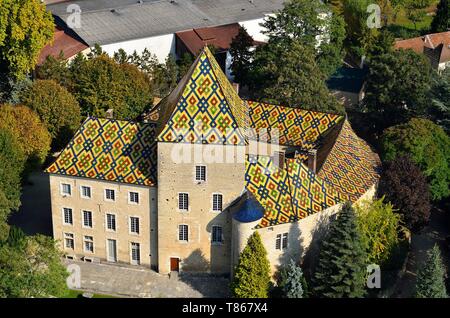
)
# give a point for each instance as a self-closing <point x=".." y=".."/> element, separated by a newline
<point x="435" y="232"/>
<point x="131" y="281"/>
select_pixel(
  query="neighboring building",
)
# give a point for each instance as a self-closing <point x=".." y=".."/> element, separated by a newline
<point x="435" y="46"/>
<point x="196" y="182"/>
<point x="348" y="84"/>
<point x="135" y="25"/>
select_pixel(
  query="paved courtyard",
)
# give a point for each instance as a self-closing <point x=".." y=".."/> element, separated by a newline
<point x="130" y="281"/>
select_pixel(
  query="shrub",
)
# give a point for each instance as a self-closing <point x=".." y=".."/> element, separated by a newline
<point x="378" y="226"/>
<point x="252" y="273"/>
<point x="56" y="107"/>
<point x="429" y="147"/>
<point x="404" y="185"/>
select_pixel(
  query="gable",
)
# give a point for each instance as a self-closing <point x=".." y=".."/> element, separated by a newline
<point x="202" y="113"/>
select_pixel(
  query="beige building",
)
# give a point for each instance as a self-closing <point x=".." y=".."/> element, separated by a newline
<point x="183" y="189"/>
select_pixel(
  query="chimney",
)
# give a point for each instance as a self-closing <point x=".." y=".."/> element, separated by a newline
<point x="236" y="87"/>
<point x="312" y="160"/>
<point x="278" y="158"/>
<point x="110" y="113"/>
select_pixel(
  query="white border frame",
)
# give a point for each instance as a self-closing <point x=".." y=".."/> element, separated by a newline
<point x="64" y="217"/>
<point x="73" y="239"/>
<point x="222" y="237"/>
<point x="106" y="222"/>
<point x="107" y="250"/>
<point x="131" y="253"/>
<point x="81" y="192"/>
<point x="178" y="203"/>
<point x="212" y="202"/>
<point x="195" y="174"/>
<point x="110" y="200"/>
<point x="129" y="225"/>
<point x="178" y="233"/>
<point x="61" y="183"/>
<point x="84" y="245"/>
<point x="82" y="219"/>
<point x="139" y="197"/>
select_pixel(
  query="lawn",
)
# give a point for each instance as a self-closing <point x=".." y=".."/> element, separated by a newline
<point x="79" y="294"/>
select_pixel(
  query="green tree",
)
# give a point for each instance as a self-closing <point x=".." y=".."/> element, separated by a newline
<point x="291" y="78"/>
<point x="431" y="276"/>
<point x="101" y="84"/>
<point x="306" y="22"/>
<point x="240" y="50"/>
<point x="378" y="226"/>
<point x="12" y="162"/>
<point x="441" y="21"/>
<point x="32" y="269"/>
<point x="5" y="210"/>
<point x="405" y="186"/>
<point x="184" y="63"/>
<point x="341" y="267"/>
<point x="397" y="87"/>
<point x="415" y="10"/>
<point x="439" y="108"/>
<point x="252" y="273"/>
<point x="57" y="108"/>
<point x="294" y="283"/>
<point x="55" y="69"/>
<point x="25" y="28"/>
<point x="429" y="147"/>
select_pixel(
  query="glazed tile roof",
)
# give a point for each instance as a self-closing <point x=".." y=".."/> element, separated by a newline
<point x="351" y="167"/>
<point x="287" y="194"/>
<point x="110" y="150"/>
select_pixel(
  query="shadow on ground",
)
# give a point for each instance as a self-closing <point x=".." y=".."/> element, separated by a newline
<point x="34" y="215"/>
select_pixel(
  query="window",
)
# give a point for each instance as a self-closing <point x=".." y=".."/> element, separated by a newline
<point x="134" y="197"/>
<point x="85" y="192"/>
<point x="110" y="222"/>
<point x="134" y="225"/>
<point x="87" y="219"/>
<point x="66" y="189"/>
<point x="183" y="201"/>
<point x="216" y="234"/>
<point x="89" y="244"/>
<point x="217" y="202"/>
<point x="183" y="232"/>
<point x="281" y="241"/>
<point x="135" y="253"/>
<point x="68" y="240"/>
<point x="68" y="219"/>
<point x="200" y="173"/>
<point x="110" y="194"/>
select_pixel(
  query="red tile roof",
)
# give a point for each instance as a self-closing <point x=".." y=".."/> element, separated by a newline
<point x="429" y="41"/>
<point x="219" y="36"/>
<point x="62" y="42"/>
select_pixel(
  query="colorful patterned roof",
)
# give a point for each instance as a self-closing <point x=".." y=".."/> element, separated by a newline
<point x="351" y="167"/>
<point x="208" y="109"/>
<point x="296" y="127"/>
<point x="288" y="194"/>
<point x="110" y="150"/>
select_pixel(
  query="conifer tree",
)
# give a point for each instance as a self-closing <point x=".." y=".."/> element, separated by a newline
<point x="341" y="267"/>
<point x="294" y="285"/>
<point x="242" y="55"/>
<point x="430" y="279"/>
<point x="252" y="273"/>
<point x="441" y="21"/>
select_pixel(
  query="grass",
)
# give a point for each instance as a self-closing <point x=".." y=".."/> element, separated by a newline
<point x="79" y="294"/>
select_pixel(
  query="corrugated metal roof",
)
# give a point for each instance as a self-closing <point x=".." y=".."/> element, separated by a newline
<point x="112" y="21"/>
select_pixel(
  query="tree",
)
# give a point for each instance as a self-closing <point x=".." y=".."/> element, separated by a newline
<point x="5" y="210"/>
<point x="184" y="63"/>
<point x="57" y="108"/>
<point x="431" y="276"/>
<point x="342" y="264"/>
<point x="25" y="28"/>
<point x="397" y="87"/>
<point x="32" y="269"/>
<point x="294" y="283"/>
<point x="441" y="21"/>
<point x="405" y="186"/>
<point x="291" y="78"/>
<point x="312" y="24"/>
<point x="240" y="50"/>
<point x="429" y="147"/>
<point x="11" y="166"/>
<point x="415" y="10"/>
<point x="378" y="226"/>
<point x="32" y="135"/>
<point x="439" y="108"/>
<point x="101" y="84"/>
<point x="252" y="273"/>
<point x="55" y="69"/>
